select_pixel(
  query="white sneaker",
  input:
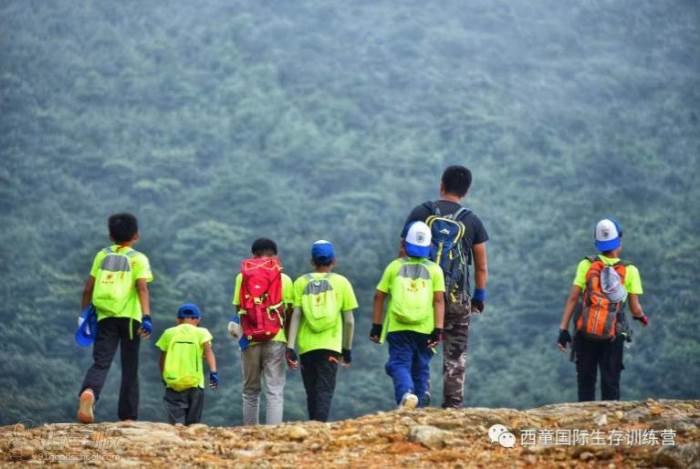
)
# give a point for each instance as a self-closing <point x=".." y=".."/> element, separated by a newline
<point x="409" y="401"/>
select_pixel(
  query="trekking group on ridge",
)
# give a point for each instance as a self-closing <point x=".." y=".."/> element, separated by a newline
<point x="424" y="297"/>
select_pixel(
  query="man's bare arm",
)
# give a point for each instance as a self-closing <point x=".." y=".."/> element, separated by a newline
<point x="481" y="271"/>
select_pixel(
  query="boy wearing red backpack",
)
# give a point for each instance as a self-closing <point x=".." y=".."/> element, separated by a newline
<point x="263" y="299"/>
<point x="607" y="284"/>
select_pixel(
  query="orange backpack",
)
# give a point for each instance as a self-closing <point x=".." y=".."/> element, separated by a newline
<point x="600" y="318"/>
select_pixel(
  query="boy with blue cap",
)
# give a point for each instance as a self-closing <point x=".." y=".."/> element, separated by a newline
<point x="607" y="285"/>
<point x="414" y="319"/>
<point x="182" y="350"/>
<point x="322" y="324"/>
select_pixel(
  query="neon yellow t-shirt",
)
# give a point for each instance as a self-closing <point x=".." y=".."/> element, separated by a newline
<point x="405" y="267"/>
<point x="140" y="269"/>
<point x="201" y="336"/>
<point x="287" y="298"/>
<point x="633" y="281"/>
<point x="331" y="338"/>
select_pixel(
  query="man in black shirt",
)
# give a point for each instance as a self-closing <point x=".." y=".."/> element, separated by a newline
<point x="459" y="304"/>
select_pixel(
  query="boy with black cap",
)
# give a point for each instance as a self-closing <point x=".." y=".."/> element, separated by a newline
<point x="414" y="319"/>
<point x="323" y="324"/>
<point x="182" y="349"/>
<point x="607" y="284"/>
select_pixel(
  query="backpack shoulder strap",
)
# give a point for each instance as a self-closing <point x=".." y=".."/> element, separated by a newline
<point x="432" y="206"/>
<point x="461" y="213"/>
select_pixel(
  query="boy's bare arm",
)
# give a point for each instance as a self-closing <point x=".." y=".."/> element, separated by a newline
<point x="378" y="307"/>
<point x="439" y="308"/>
<point x="571" y="301"/>
<point x="161" y="362"/>
<point x="144" y="297"/>
<point x="481" y="271"/>
<point x="87" y="292"/>
<point x="211" y="359"/>
<point x="635" y="306"/>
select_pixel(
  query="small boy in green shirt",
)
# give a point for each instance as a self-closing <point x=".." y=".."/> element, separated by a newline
<point x="414" y="320"/>
<point x="323" y="325"/>
<point x="182" y="348"/>
<point x="118" y="289"/>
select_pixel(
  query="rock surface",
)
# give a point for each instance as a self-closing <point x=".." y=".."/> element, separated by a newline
<point x="609" y="434"/>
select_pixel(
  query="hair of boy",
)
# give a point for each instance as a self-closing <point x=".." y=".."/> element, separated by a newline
<point x="263" y="246"/>
<point x="122" y="227"/>
<point x="322" y="261"/>
<point x="456" y="180"/>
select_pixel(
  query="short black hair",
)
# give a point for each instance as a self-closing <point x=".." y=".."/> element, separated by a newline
<point x="456" y="180"/>
<point x="322" y="261"/>
<point x="122" y="227"/>
<point x="262" y="246"/>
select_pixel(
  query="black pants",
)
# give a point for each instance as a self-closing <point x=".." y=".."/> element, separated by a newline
<point x="318" y="370"/>
<point x="593" y="355"/>
<point x="113" y="333"/>
<point x="184" y="406"/>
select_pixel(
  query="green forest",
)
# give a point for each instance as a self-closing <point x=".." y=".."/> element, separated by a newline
<point x="217" y="122"/>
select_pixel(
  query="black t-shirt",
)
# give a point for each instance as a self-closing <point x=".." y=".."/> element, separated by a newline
<point x="475" y="233"/>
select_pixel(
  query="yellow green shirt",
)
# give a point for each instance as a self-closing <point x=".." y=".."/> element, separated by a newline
<point x="633" y="281"/>
<point x="200" y="334"/>
<point x="402" y="266"/>
<point x="287" y="298"/>
<point x="140" y="269"/>
<point x="331" y="338"/>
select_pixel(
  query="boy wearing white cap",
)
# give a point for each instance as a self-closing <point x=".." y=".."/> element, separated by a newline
<point x="607" y="284"/>
<point x="414" y="320"/>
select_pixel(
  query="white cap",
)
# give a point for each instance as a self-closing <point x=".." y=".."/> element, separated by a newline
<point x="607" y="235"/>
<point x="418" y="240"/>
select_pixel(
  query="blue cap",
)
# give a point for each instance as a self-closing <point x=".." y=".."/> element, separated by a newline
<point x="87" y="327"/>
<point x="189" y="311"/>
<point x="322" y="251"/>
<point x="608" y="234"/>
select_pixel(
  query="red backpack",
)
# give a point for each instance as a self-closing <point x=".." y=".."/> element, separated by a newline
<point x="600" y="317"/>
<point x="261" y="298"/>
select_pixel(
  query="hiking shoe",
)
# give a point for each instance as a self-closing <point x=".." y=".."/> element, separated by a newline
<point x="86" y="407"/>
<point x="409" y="401"/>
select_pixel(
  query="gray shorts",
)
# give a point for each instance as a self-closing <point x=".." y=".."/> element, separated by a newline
<point x="184" y="406"/>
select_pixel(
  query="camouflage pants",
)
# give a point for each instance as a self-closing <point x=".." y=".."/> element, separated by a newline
<point x="455" y="335"/>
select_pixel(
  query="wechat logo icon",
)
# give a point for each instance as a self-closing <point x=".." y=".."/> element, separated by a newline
<point x="499" y="434"/>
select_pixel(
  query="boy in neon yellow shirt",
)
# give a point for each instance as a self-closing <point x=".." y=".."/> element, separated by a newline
<point x="118" y="288"/>
<point x="262" y="362"/>
<point x="606" y="355"/>
<point x="414" y="320"/>
<point x="182" y="350"/>
<point x="323" y="326"/>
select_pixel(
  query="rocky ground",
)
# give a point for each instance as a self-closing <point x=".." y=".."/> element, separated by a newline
<point x="610" y="434"/>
